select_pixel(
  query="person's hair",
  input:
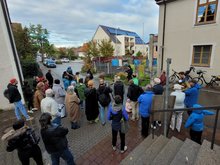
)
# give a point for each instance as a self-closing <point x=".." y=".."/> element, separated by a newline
<point x="45" y="120"/>
<point x="148" y="87"/>
<point x="70" y="89"/>
<point x="18" y="124"/>
<point x="118" y="99"/>
<point x="131" y="82"/>
<point x="77" y="73"/>
<point x="39" y="85"/>
<point x="57" y="81"/>
<point x="81" y="80"/>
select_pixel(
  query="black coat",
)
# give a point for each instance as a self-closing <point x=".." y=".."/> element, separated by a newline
<point x="134" y="91"/>
<point x="119" y="89"/>
<point x="158" y="89"/>
<point x="105" y="90"/>
<point x="49" y="77"/>
<point x="14" y="95"/>
<point x="54" y="138"/>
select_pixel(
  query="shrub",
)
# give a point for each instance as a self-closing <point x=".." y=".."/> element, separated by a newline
<point x="30" y="68"/>
<point x="123" y="75"/>
<point x="58" y="62"/>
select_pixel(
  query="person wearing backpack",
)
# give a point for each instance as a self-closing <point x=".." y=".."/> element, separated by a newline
<point x="119" y="88"/>
<point x="14" y="96"/>
<point x="104" y="99"/>
<point x="116" y="112"/>
<point x="24" y="139"/>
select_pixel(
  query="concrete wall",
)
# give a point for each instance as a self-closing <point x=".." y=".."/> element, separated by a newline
<point x="8" y="68"/>
<point x="181" y="35"/>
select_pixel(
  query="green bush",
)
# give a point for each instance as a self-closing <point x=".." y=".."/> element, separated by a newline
<point x="30" y="68"/>
<point x="58" y="62"/>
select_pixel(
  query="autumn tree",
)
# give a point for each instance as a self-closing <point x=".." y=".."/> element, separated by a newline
<point x="106" y="49"/>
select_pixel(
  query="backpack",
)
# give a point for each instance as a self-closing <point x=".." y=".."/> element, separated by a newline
<point x="6" y="93"/>
<point x="32" y="137"/>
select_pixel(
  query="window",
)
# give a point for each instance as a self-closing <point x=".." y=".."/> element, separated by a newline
<point x="206" y="11"/>
<point x="201" y="55"/>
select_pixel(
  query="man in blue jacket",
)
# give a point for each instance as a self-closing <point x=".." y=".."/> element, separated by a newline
<point x="145" y="101"/>
<point x="195" y="121"/>
<point x="192" y="95"/>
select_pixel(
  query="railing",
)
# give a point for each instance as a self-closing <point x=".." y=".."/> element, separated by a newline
<point x="216" y="108"/>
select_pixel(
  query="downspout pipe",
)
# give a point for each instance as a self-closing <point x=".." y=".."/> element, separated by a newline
<point x="163" y="39"/>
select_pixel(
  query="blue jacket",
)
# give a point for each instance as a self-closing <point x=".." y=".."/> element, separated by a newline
<point x="192" y="95"/>
<point x="145" y="101"/>
<point x="66" y="83"/>
<point x="115" y="113"/>
<point x="195" y="120"/>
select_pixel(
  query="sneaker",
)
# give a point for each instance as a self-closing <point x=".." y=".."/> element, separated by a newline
<point x="159" y="123"/>
<point x="30" y="118"/>
<point x="114" y="148"/>
<point x="153" y="126"/>
<point x="125" y="149"/>
<point x="97" y="120"/>
<point x="34" y="109"/>
<point x="30" y="111"/>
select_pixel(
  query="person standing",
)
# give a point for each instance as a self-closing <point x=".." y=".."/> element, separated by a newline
<point x="24" y="139"/>
<point x="163" y="78"/>
<point x="59" y="96"/>
<point x="134" y="92"/>
<point x="176" y="119"/>
<point x="55" y="141"/>
<point x="89" y="72"/>
<point x="119" y="88"/>
<point x="104" y="99"/>
<point x="129" y="72"/>
<point x="145" y="102"/>
<point x="49" y="77"/>
<point x="196" y="123"/>
<point x="15" y="98"/>
<point x="80" y="87"/>
<point x="39" y="95"/>
<point x="28" y="95"/>
<point x="135" y="79"/>
<point x="92" y="107"/>
<point x="49" y="105"/>
<point x="72" y="106"/>
<point x="192" y="95"/>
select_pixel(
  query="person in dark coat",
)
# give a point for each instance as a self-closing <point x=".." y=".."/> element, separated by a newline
<point x="90" y="74"/>
<point x="92" y="107"/>
<point x="119" y="88"/>
<point x="129" y="72"/>
<point x="116" y="113"/>
<point x="49" y="77"/>
<point x="24" y="140"/>
<point x="55" y="141"/>
<point x="28" y="96"/>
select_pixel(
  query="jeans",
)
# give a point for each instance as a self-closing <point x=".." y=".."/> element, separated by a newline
<point x="57" y="121"/>
<point x="114" y="138"/>
<point x="20" y="107"/>
<point x="102" y="111"/>
<point x="65" y="154"/>
<point x="145" y="126"/>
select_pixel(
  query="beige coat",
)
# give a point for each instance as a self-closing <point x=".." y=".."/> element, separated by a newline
<point x="72" y="107"/>
<point x="38" y="96"/>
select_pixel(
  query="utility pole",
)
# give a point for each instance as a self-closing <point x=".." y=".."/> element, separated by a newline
<point x="151" y="56"/>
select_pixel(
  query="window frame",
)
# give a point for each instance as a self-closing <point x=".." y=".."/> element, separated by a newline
<point x="200" y="64"/>
<point x="206" y="5"/>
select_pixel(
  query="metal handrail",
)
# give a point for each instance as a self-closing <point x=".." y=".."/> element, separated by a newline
<point x="215" y="108"/>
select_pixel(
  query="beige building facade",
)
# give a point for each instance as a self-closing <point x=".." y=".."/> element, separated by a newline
<point x="189" y="34"/>
<point x="9" y="62"/>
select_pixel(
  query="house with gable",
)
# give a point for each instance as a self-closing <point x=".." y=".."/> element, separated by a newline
<point x="123" y="41"/>
<point x="189" y="34"/>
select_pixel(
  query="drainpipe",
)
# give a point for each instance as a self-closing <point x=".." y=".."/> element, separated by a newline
<point x="164" y="23"/>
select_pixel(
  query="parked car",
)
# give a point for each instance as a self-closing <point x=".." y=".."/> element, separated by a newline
<point x="65" y="60"/>
<point x="45" y="61"/>
<point x="51" y="64"/>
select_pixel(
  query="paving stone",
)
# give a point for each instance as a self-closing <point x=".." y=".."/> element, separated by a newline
<point x="135" y="154"/>
<point x="151" y="152"/>
<point x="167" y="154"/>
<point x="207" y="156"/>
<point x="187" y="153"/>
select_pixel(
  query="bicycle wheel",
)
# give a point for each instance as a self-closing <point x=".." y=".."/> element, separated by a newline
<point x="214" y="84"/>
<point x="198" y="80"/>
<point x="172" y="79"/>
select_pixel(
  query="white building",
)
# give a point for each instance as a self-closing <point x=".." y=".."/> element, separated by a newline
<point x="123" y="41"/>
<point x="9" y="62"/>
<point x="189" y="34"/>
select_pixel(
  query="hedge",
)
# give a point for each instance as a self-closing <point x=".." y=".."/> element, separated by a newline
<point x="30" y="68"/>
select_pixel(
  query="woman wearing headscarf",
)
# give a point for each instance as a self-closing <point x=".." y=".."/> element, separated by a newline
<point x="72" y="107"/>
<point x="92" y="108"/>
<point x="39" y="95"/>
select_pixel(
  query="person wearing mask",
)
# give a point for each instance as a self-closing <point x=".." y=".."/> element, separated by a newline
<point x="14" y="97"/>
<point x="55" y="141"/>
<point x="145" y="102"/>
<point x="176" y="119"/>
<point x="116" y="113"/>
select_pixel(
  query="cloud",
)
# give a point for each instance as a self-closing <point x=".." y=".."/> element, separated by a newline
<point x="75" y="22"/>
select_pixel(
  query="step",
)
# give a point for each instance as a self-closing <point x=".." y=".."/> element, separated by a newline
<point x="207" y="156"/>
<point x="148" y="156"/>
<point x="168" y="152"/>
<point x="187" y="153"/>
<point x="135" y="154"/>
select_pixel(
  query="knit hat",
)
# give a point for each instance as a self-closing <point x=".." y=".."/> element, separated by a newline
<point x="177" y="87"/>
<point x="12" y="81"/>
<point x="156" y="80"/>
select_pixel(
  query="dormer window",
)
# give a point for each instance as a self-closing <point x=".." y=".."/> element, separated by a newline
<point x="206" y="11"/>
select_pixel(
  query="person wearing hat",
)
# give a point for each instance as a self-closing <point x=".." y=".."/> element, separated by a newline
<point x="15" y="97"/>
<point x="49" y="105"/>
<point x="116" y="112"/>
<point x="176" y="119"/>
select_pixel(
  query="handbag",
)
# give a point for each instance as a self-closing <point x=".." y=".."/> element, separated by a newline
<point x="124" y="126"/>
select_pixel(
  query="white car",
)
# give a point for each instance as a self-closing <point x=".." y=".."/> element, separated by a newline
<point x="65" y="60"/>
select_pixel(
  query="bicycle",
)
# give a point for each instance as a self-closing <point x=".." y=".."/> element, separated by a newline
<point x="175" y="76"/>
<point x="201" y="79"/>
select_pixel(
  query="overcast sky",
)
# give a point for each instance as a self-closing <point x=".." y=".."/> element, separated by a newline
<point x="73" y="22"/>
